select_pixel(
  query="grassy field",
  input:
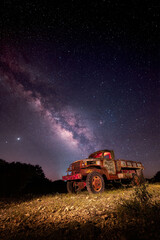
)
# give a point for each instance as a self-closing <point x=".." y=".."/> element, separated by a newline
<point x="132" y="213"/>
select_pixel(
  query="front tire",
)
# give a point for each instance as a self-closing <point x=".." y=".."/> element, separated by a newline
<point x="72" y="187"/>
<point x="95" y="183"/>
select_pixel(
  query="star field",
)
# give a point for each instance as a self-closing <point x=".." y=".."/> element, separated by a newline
<point x="76" y="77"/>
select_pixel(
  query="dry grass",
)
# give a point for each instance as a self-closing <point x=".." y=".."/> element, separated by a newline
<point x="110" y="215"/>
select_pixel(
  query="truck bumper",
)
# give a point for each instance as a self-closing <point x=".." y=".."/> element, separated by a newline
<point x="72" y="177"/>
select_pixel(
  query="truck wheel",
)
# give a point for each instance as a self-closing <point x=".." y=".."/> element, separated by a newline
<point x="71" y="187"/>
<point x="141" y="176"/>
<point x="136" y="180"/>
<point x="95" y="182"/>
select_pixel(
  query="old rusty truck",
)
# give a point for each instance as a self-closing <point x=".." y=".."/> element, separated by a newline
<point x="99" y="169"/>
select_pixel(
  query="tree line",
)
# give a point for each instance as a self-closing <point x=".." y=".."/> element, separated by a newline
<point x="20" y="178"/>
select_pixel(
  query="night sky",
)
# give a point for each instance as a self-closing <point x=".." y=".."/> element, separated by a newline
<point x="76" y="77"/>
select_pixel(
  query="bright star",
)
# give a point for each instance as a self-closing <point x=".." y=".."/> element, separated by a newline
<point x="18" y="138"/>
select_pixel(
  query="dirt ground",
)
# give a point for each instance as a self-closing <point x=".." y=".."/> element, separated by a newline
<point x="82" y="216"/>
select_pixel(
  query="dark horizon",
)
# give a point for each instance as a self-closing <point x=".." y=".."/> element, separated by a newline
<point x="12" y="168"/>
<point x="78" y="77"/>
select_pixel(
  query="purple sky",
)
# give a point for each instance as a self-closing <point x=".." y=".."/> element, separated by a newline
<point x="76" y="78"/>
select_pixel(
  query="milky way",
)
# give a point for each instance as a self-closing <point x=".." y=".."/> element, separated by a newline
<point x="63" y="122"/>
<point x="61" y="119"/>
<point x="77" y="78"/>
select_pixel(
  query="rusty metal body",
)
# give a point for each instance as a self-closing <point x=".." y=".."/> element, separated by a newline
<point x="101" y="163"/>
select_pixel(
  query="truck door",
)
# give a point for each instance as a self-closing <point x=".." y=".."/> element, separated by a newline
<point x="109" y="163"/>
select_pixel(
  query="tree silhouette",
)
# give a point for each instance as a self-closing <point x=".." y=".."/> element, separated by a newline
<point x="156" y="178"/>
<point x="18" y="178"/>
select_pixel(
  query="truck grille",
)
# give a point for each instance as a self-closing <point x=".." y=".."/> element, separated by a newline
<point x="76" y="167"/>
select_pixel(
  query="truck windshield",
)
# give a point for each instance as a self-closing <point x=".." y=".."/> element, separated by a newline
<point x="107" y="155"/>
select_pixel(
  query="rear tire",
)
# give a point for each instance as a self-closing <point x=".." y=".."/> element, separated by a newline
<point x="136" y="180"/>
<point x="95" y="183"/>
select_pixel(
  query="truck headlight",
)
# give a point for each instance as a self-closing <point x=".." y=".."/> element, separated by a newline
<point x="83" y="164"/>
<point x="98" y="162"/>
